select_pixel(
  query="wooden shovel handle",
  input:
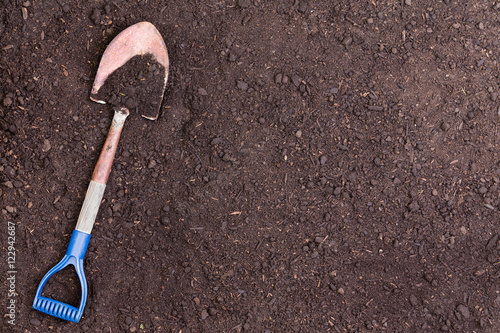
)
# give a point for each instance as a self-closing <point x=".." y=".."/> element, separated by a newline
<point x="105" y="161"/>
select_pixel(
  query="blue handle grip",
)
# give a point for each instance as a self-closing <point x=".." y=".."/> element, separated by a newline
<point x="74" y="256"/>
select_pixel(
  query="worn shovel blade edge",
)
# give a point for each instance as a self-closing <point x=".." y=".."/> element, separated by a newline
<point x="160" y="101"/>
<point x="97" y="100"/>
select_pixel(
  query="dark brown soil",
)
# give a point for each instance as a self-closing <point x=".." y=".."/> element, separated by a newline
<point x="137" y="85"/>
<point x="317" y="166"/>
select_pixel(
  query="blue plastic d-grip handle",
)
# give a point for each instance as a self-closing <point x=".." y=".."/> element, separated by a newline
<point x="74" y="256"/>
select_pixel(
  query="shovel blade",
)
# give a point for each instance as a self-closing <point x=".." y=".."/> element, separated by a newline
<point x="139" y="39"/>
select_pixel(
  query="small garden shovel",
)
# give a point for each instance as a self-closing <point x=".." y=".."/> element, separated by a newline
<point x="139" y="39"/>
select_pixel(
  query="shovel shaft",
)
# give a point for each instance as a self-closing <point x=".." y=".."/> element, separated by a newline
<point x="90" y="207"/>
<point x="103" y="166"/>
<point x="95" y="191"/>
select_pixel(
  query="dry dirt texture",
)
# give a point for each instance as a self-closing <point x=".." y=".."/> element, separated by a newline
<point x="318" y="166"/>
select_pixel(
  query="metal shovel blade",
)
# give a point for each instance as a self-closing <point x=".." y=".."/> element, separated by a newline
<point x="139" y="39"/>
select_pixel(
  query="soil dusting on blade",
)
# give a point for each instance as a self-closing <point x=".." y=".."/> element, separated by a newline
<point x="138" y="85"/>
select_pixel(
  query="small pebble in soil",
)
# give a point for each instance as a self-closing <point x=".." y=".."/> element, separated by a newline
<point x="302" y="6"/>
<point x="46" y="145"/>
<point x="414" y="206"/>
<point x="337" y="191"/>
<point x="347" y="41"/>
<point x="9" y="171"/>
<point x="96" y="16"/>
<point x="492" y="242"/>
<point x="242" y="85"/>
<point x="117" y="206"/>
<point x="413" y="300"/>
<point x="464" y="311"/>
<point x="35" y="322"/>
<point x="204" y="314"/>
<point x="319" y="239"/>
<point x="7" y="101"/>
<point x="278" y="78"/>
<point x="445" y="126"/>
<point x="232" y="57"/>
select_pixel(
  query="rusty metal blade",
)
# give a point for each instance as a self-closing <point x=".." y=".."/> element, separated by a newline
<point x="139" y="39"/>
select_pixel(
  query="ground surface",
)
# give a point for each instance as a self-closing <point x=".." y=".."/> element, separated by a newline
<point x="317" y="166"/>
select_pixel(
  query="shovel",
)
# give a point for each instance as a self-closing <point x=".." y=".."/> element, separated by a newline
<point x="139" y="39"/>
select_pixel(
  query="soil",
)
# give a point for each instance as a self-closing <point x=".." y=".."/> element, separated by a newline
<point x="317" y="166"/>
<point x="137" y="85"/>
